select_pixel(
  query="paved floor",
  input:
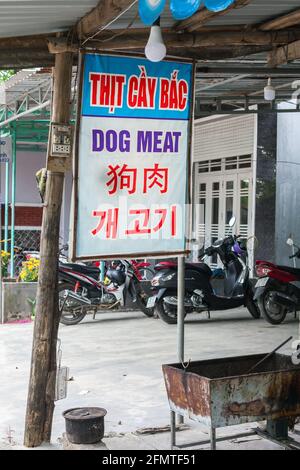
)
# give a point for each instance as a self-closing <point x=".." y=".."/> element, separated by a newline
<point x="115" y="362"/>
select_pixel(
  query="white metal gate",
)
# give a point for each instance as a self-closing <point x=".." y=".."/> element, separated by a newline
<point x="223" y="188"/>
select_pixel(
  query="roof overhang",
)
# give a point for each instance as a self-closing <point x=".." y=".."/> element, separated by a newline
<point x="236" y="50"/>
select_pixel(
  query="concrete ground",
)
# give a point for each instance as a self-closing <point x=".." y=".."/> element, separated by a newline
<point x="115" y="363"/>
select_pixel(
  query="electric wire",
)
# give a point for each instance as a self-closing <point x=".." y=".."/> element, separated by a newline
<point x="110" y="23"/>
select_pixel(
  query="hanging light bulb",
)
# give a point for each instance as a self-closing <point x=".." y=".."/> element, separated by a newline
<point x="155" y="49"/>
<point x="269" y="91"/>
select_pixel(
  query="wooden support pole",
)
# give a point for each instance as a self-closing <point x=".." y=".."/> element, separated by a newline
<point x="284" y="55"/>
<point x="40" y="401"/>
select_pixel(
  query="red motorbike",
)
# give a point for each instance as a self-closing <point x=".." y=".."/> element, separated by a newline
<point x="277" y="290"/>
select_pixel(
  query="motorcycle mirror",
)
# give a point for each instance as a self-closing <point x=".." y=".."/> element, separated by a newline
<point x="290" y="242"/>
<point x="232" y="221"/>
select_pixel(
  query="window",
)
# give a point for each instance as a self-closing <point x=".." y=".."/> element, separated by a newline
<point x="225" y="164"/>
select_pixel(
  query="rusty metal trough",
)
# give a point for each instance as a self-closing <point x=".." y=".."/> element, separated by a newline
<point x="221" y="392"/>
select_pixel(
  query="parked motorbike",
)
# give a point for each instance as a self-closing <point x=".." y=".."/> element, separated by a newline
<point x="199" y="293"/>
<point x="142" y="269"/>
<point x="277" y="290"/>
<point x="81" y="291"/>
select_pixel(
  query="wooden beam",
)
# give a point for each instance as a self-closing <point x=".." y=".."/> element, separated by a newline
<point x="129" y="41"/>
<point x="25" y="58"/>
<point x="100" y="16"/>
<point x="284" y="55"/>
<point x="138" y="38"/>
<point x="282" y="22"/>
<point x="203" y="16"/>
<point x="34" y="52"/>
<point x="217" y="53"/>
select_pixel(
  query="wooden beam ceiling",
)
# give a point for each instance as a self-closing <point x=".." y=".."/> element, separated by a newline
<point x="129" y="41"/>
<point x="101" y="15"/>
<point x="203" y="16"/>
<point x="35" y="52"/>
<point x="209" y="42"/>
<point x="284" y="55"/>
<point x="282" y="22"/>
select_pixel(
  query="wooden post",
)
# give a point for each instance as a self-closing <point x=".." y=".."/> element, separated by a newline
<point x="40" y="401"/>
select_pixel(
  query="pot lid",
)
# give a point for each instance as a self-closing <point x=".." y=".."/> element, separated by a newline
<point x="84" y="413"/>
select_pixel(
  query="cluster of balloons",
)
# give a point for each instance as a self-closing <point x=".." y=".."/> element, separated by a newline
<point x="150" y="10"/>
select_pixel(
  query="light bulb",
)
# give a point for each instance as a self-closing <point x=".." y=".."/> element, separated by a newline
<point x="155" y="49"/>
<point x="269" y="91"/>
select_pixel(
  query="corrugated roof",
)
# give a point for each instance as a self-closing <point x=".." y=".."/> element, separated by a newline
<point x="29" y="17"/>
<point x="257" y="11"/>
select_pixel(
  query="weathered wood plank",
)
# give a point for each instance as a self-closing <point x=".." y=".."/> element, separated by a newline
<point x="100" y="16"/>
<point x="283" y="55"/>
<point x="129" y="41"/>
<point x="40" y="402"/>
<point x="203" y="16"/>
<point x="282" y="22"/>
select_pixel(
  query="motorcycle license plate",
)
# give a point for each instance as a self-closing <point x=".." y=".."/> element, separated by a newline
<point x="262" y="282"/>
<point x="151" y="301"/>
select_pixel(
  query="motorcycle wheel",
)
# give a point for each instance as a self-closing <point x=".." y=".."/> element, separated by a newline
<point x="69" y="316"/>
<point x="271" y="311"/>
<point x="167" y="313"/>
<point x="252" y="306"/>
<point x="142" y="299"/>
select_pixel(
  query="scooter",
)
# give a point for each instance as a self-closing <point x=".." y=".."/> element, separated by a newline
<point x="277" y="290"/>
<point x="199" y="293"/>
<point x="142" y="269"/>
<point x="81" y="291"/>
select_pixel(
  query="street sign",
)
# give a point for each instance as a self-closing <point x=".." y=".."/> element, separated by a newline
<point x="5" y="149"/>
<point x="132" y="157"/>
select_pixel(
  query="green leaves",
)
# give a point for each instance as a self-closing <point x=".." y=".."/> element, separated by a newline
<point x="6" y="74"/>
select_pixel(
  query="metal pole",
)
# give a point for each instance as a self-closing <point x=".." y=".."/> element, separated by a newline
<point x="213" y="439"/>
<point x="1" y="310"/>
<point x="180" y="311"/>
<point x="6" y="210"/>
<point x="102" y="271"/>
<point x="13" y="201"/>
<point x="173" y="429"/>
<point x="180" y="315"/>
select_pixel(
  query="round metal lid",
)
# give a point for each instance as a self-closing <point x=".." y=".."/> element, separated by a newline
<point x="84" y="413"/>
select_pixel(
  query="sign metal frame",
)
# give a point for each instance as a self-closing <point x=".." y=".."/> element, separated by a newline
<point x="75" y="200"/>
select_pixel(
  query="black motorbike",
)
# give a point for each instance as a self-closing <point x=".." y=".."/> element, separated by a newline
<point x="81" y="291"/>
<point x="199" y="293"/>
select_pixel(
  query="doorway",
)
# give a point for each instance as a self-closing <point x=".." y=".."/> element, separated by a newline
<point x="223" y="188"/>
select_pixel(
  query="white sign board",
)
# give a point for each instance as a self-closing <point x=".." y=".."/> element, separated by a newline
<point x="132" y="157"/>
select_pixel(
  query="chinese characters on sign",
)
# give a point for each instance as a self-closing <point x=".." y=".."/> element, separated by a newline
<point x="132" y="157"/>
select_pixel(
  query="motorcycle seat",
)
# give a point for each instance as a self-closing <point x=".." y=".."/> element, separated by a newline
<point x="92" y="271"/>
<point x="288" y="269"/>
<point x="202" y="267"/>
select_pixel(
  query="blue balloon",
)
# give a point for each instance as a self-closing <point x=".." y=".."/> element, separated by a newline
<point x="217" y="5"/>
<point x="150" y="10"/>
<point x="182" y="9"/>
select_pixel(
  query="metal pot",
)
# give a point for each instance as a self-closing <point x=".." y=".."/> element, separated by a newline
<point x="84" y="425"/>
